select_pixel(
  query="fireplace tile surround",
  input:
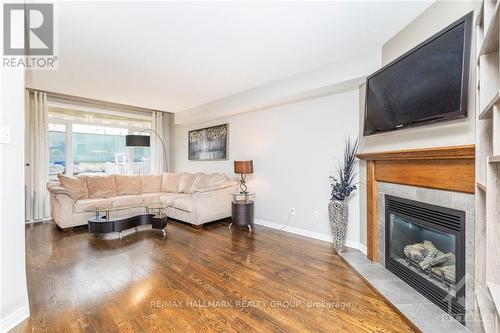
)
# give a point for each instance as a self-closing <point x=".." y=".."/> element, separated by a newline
<point x="450" y="199"/>
<point x="423" y="314"/>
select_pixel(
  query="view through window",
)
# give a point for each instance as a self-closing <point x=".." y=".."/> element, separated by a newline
<point x="95" y="143"/>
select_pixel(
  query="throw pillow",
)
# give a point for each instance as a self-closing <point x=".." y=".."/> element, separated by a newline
<point x="186" y="182"/>
<point x="217" y="179"/>
<point x="101" y="186"/>
<point x="201" y="181"/>
<point x="77" y="186"/>
<point x="170" y="182"/>
<point x="128" y="184"/>
<point x="151" y="183"/>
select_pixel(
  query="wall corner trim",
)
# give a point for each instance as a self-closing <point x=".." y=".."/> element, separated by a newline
<point x="15" y="318"/>
<point x="311" y="234"/>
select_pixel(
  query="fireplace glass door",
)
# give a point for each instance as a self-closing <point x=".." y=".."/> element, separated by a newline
<point x="426" y="251"/>
<point x="425" y="247"/>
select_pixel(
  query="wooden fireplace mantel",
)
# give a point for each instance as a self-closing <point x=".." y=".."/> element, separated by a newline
<point x="445" y="153"/>
<point x="445" y="168"/>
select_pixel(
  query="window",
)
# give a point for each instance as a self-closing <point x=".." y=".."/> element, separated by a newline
<point x="81" y="142"/>
<point x="57" y="150"/>
<point x="99" y="149"/>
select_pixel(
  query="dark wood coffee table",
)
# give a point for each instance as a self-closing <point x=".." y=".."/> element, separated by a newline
<point x="110" y="219"/>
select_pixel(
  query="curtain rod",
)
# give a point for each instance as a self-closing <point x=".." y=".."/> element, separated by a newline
<point x="95" y="102"/>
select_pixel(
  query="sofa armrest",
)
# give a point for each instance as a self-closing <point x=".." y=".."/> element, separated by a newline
<point x="57" y="188"/>
<point x="63" y="210"/>
<point x="213" y="205"/>
<point x="221" y="186"/>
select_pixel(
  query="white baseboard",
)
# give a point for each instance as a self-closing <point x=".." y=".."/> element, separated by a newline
<point x="48" y="219"/>
<point x="310" y="234"/>
<point x="15" y="318"/>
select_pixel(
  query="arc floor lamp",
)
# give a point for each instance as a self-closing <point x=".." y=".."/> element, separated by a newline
<point x="138" y="140"/>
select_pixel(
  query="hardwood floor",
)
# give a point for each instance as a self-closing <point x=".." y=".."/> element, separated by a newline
<point x="143" y="283"/>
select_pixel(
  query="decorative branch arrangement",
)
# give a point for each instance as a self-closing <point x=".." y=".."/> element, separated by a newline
<point x="343" y="184"/>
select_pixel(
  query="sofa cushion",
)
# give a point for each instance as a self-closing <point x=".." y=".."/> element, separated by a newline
<point x="170" y="182"/>
<point x="83" y="204"/>
<point x="183" y="203"/>
<point x="126" y="200"/>
<point x="101" y="186"/>
<point x="127" y="184"/>
<point x="217" y="179"/>
<point x="77" y="186"/>
<point x="151" y="183"/>
<point x="148" y="198"/>
<point x="186" y="182"/>
<point x="201" y="181"/>
<point x="168" y="198"/>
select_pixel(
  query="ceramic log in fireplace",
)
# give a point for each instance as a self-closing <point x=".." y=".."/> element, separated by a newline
<point x="425" y="247"/>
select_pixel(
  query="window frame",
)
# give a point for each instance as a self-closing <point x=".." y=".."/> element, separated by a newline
<point x="68" y="123"/>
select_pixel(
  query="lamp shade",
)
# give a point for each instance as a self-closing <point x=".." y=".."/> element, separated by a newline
<point x="243" y="167"/>
<point x="137" y="141"/>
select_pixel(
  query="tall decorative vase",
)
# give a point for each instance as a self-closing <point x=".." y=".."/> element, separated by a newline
<point x="338" y="212"/>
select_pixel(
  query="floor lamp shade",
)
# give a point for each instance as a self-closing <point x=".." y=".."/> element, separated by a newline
<point x="243" y="167"/>
<point x="137" y="141"/>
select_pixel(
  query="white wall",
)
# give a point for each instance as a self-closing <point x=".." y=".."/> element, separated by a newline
<point x="294" y="148"/>
<point x="14" y="296"/>
<point x="322" y="81"/>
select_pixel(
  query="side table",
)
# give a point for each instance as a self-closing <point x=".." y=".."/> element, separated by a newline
<point x="242" y="208"/>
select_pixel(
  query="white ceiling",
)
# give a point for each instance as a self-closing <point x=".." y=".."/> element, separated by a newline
<point x="173" y="56"/>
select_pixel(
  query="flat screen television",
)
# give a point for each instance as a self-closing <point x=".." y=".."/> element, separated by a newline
<point x="429" y="83"/>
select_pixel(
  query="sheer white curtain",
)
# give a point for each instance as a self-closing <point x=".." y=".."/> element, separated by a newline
<point x="37" y="156"/>
<point x="158" y="158"/>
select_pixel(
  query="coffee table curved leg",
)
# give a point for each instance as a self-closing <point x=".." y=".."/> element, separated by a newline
<point x="230" y="224"/>
<point x="164" y="232"/>
<point x="249" y="228"/>
<point x="121" y="235"/>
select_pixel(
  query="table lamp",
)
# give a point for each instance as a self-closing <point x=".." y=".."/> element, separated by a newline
<point x="243" y="168"/>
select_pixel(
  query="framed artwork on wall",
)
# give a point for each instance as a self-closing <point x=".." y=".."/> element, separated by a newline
<point x="208" y="144"/>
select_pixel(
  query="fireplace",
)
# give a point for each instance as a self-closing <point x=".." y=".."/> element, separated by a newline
<point x="425" y="247"/>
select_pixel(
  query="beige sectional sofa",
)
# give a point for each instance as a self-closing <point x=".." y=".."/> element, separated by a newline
<point x="193" y="198"/>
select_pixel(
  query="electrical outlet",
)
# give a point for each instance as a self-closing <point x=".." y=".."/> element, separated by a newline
<point x="292" y="211"/>
<point x="315" y="214"/>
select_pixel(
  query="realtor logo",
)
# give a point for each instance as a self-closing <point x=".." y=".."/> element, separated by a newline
<point x="28" y="36"/>
<point x="28" y="29"/>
